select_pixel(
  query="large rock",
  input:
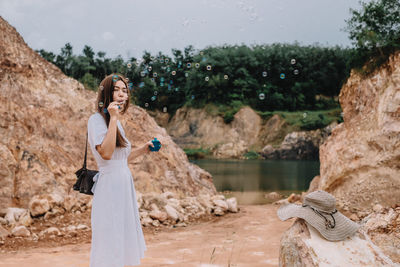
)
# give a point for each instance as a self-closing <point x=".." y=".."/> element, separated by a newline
<point x="41" y="149"/>
<point x="299" y="145"/>
<point x="360" y="159"/>
<point x="302" y="245"/>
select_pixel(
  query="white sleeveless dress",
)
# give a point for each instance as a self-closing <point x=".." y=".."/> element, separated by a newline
<point x="117" y="237"/>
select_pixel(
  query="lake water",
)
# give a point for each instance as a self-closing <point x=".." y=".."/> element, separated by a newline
<point x="249" y="180"/>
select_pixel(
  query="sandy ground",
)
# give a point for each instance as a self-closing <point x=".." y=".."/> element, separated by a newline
<point x="248" y="238"/>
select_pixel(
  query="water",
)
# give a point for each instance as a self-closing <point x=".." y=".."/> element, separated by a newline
<point x="249" y="180"/>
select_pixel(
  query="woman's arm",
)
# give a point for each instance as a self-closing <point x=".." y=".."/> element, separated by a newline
<point x="140" y="150"/>
<point x="107" y="147"/>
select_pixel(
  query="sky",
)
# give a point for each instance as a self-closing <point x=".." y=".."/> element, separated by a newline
<point x="130" y="27"/>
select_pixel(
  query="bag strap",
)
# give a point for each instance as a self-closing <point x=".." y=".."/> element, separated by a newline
<point x="84" y="161"/>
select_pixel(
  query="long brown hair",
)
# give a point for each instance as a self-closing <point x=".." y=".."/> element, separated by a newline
<point x="105" y="95"/>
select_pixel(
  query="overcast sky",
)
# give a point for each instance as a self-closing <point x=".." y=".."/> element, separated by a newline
<point x="130" y="27"/>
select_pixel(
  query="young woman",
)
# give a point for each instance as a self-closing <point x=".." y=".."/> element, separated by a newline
<point x="117" y="237"/>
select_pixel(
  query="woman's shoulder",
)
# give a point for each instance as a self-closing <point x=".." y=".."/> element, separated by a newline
<point x="96" y="117"/>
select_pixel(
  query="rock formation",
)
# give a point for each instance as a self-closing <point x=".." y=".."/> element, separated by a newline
<point x="43" y="122"/>
<point x="360" y="161"/>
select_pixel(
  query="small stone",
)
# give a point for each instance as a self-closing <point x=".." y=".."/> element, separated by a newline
<point x="377" y="208"/>
<point x="20" y="231"/>
<point x="354" y="217"/>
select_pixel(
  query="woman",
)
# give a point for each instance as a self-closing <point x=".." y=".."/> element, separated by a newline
<point x="117" y="237"/>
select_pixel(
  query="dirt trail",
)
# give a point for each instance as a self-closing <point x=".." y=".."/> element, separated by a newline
<point x="248" y="238"/>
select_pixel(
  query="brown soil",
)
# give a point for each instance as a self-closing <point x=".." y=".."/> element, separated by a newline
<point x="248" y="238"/>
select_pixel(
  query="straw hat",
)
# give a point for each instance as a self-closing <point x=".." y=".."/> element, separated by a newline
<point x="319" y="211"/>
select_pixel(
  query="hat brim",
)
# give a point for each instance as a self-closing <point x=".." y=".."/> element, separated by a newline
<point x="344" y="227"/>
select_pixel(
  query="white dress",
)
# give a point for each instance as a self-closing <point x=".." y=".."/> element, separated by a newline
<point x="117" y="237"/>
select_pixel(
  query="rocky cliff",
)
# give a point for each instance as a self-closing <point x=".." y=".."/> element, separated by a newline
<point x="360" y="161"/>
<point x="43" y="121"/>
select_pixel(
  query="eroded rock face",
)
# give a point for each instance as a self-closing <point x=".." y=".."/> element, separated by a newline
<point x="302" y="245"/>
<point x="360" y="160"/>
<point x="43" y="122"/>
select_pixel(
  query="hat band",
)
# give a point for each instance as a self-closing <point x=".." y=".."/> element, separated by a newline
<point x="328" y="223"/>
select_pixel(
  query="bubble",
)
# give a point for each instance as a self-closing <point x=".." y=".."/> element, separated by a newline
<point x="141" y="84"/>
<point x="166" y="60"/>
<point x="129" y="65"/>
<point x="155" y="74"/>
<point x="304" y="115"/>
<point x="155" y="92"/>
<point x="206" y="78"/>
<point x="153" y="98"/>
<point x="204" y="59"/>
<point x="261" y="96"/>
<point x="101" y="104"/>
<point x="146" y="104"/>
<point x="130" y="84"/>
<point x="127" y="79"/>
<point x="168" y="69"/>
<point x="264" y="85"/>
<point x="176" y="89"/>
<point x="161" y="84"/>
<point x="197" y="65"/>
<point x="161" y="60"/>
<point x="115" y="78"/>
<point x="226" y="77"/>
<point x="293" y="61"/>
<point x="171" y="81"/>
<point x="179" y="64"/>
<point x="173" y="72"/>
<point x="192" y="96"/>
<point x="169" y="87"/>
<point x="296" y="72"/>
<point x="186" y="74"/>
<point x="162" y="79"/>
<point x="264" y="74"/>
<point x="209" y="67"/>
<point x="105" y="110"/>
<point x="142" y="73"/>
<point x="282" y="76"/>
<point x="149" y="68"/>
<point x="189" y="65"/>
<point x="164" y="109"/>
<point x="153" y="80"/>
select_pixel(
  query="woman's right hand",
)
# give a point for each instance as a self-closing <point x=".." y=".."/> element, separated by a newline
<point x="113" y="110"/>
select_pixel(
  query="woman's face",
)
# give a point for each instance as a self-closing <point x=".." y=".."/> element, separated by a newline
<point x="120" y="93"/>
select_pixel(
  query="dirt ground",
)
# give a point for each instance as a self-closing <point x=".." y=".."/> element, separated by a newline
<point x="248" y="238"/>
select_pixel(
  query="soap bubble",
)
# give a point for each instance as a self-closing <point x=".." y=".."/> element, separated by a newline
<point x="282" y="76"/>
<point x="304" y="115"/>
<point x="296" y="72"/>
<point x="155" y="74"/>
<point x="171" y="81"/>
<point x="150" y="68"/>
<point x="105" y="110"/>
<point x="166" y="60"/>
<point x="141" y="84"/>
<point x="206" y="78"/>
<point x="264" y="85"/>
<point x="115" y="78"/>
<point x="129" y="65"/>
<point x="101" y="104"/>
<point x="186" y="74"/>
<point x="161" y="60"/>
<point x="153" y="98"/>
<point x="164" y="109"/>
<point x="293" y="61"/>
<point x="226" y="77"/>
<point x="168" y="69"/>
<point x="130" y="84"/>
<point x="197" y="65"/>
<point x="173" y="72"/>
<point x="209" y="67"/>
<point x="162" y="79"/>
<point x="189" y="65"/>
<point x="146" y="104"/>
<point x="192" y="96"/>
<point x="169" y="87"/>
<point x="142" y="73"/>
<point x="155" y="92"/>
<point x="204" y="59"/>
<point x="264" y="74"/>
<point x="176" y="89"/>
<point x="261" y="96"/>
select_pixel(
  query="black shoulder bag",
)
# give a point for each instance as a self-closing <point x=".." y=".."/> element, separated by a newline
<point x="85" y="181"/>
